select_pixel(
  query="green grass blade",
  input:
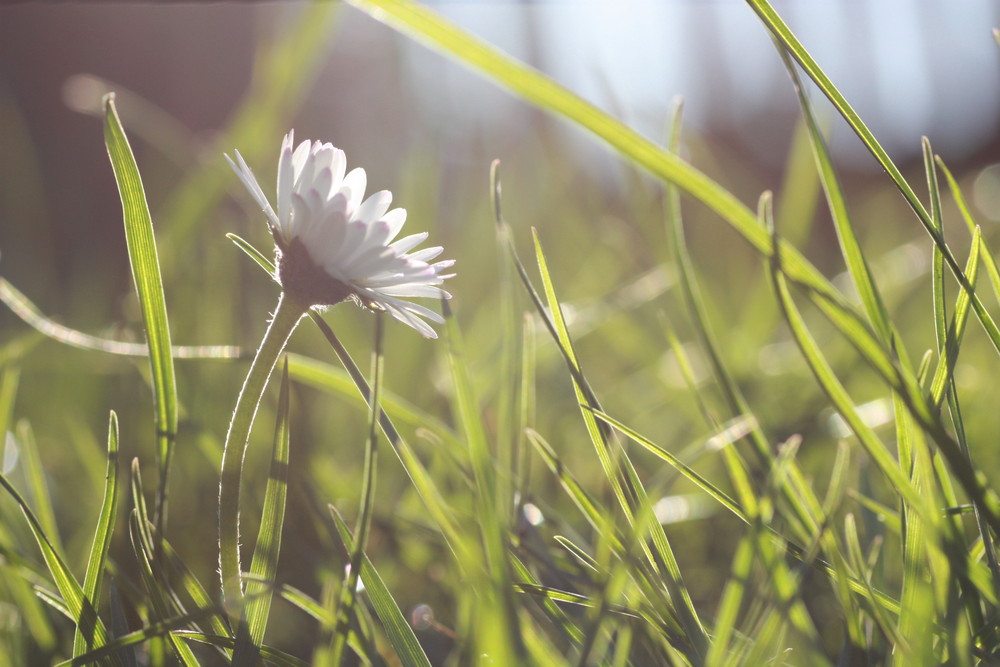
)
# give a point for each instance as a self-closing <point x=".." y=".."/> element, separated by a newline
<point x="800" y="499"/>
<point x="366" y="509"/>
<point x="161" y="598"/>
<point x="102" y="535"/>
<point x="837" y="394"/>
<point x="354" y="385"/>
<point x="149" y="286"/>
<point x="625" y="482"/>
<point x="77" y="605"/>
<point x="509" y="361"/>
<point x="404" y="641"/>
<point x="267" y="654"/>
<point x="498" y="633"/>
<point x="732" y="600"/>
<point x="576" y="492"/>
<point x="330" y="379"/>
<point x="36" y="620"/>
<point x="679" y="465"/>
<point x="858" y="268"/>
<point x="264" y="566"/>
<point x="37" y="488"/>
<point x="21" y="306"/>
<point x="963" y="208"/>
<point x="425" y="26"/>
<point x="783" y="34"/>
<point x="136" y="637"/>
<point x="254" y="254"/>
<point x="950" y="336"/>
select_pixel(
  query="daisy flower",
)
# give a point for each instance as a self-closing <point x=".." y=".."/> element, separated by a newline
<point x="332" y="244"/>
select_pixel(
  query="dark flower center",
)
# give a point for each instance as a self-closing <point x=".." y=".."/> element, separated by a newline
<point x="300" y="276"/>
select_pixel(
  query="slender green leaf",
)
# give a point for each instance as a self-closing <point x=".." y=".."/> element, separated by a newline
<point x="348" y="592"/>
<point x="264" y="566"/>
<point x="399" y="632"/>
<point x="97" y="562"/>
<point x="21" y="306"/>
<point x="269" y="655"/>
<point x="149" y="287"/>
<point x="76" y="602"/>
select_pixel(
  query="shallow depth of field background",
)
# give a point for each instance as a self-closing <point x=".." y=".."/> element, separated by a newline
<point x="196" y="81"/>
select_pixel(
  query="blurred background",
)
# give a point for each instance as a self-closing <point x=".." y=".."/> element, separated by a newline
<point x="196" y="80"/>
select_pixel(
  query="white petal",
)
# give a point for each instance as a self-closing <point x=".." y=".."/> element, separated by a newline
<point x="425" y="254"/>
<point x="408" y="243"/>
<point x="375" y="206"/>
<point x="286" y="178"/>
<point x="250" y="183"/>
<point x="354" y="187"/>
<point x="395" y="219"/>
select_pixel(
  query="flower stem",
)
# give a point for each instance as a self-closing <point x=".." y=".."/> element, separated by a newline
<point x="287" y="315"/>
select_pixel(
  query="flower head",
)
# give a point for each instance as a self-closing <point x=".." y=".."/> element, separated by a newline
<point x="332" y="244"/>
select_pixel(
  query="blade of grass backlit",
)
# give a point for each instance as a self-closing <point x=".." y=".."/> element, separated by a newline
<point x="102" y="537"/>
<point x="496" y="627"/>
<point x="155" y="631"/>
<point x="255" y="255"/>
<point x="963" y="208"/>
<point x="661" y="453"/>
<point x="29" y="606"/>
<point x="366" y="509"/>
<point x="623" y="478"/>
<point x="37" y="488"/>
<point x="328" y="378"/>
<point x="576" y="492"/>
<point x="149" y="287"/>
<point x="399" y="632"/>
<point x="424" y="25"/>
<point x="264" y="566"/>
<point x="782" y="33"/>
<point x="267" y="654"/>
<point x="77" y="605"/>
<point x="835" y="391"/>
<point x="732" y="600"/>
<point x="163" y="605"/>
<point x="800" y="499"/>
<point x="509" y="360"/>
<point x="21" y="306"/>
<point x="858" y="268"/>
<point x="949" y="339"/>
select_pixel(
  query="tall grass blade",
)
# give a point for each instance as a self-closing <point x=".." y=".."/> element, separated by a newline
<point x="498" y="633"/>
<point x="267" y="654"/>
<point x="77" y="605"/>
<point x="355" y="386"/>
<point x="783" y="34"/>
<point x="400" y="634"/>
<point x="348" y="592"/>
<point x="149" y="287"/>
<point x="426" y="26"/>
<point x="97" y="562"/>
<point x="622" y="476"/>
<point x="37" y="488"/>
<point x="21" y="306"/>
<point x="264" y="566"/>
<point x="161" y="598"/>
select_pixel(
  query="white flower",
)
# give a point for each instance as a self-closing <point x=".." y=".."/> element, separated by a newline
<point x="331" y="245"/>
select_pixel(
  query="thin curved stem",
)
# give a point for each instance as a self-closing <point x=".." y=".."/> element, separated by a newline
<point x="287" y="315"/>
